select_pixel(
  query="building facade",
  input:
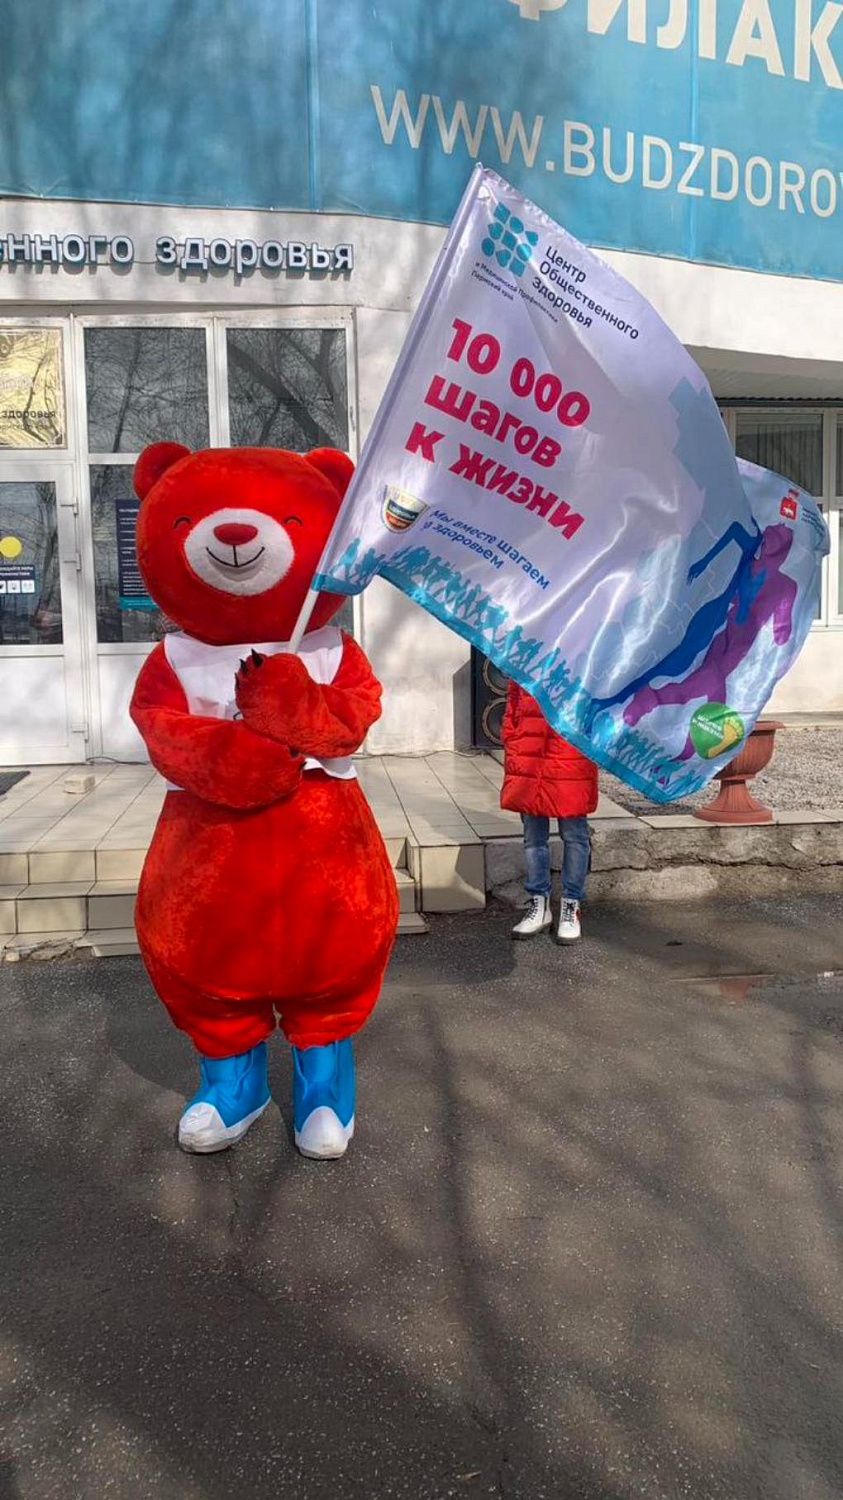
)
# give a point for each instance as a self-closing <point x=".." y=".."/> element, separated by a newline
<point x="214" y="228"/>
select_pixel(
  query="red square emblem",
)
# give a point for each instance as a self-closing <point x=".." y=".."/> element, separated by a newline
<point x="789" y="509"/>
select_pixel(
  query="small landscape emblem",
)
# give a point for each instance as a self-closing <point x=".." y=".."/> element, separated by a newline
<point x="401" y="510"/>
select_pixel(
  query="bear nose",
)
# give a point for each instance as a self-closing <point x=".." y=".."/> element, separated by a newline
<point x="235" y="534"/>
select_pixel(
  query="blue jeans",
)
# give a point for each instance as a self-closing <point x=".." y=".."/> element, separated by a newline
<point x="576" y="855"/>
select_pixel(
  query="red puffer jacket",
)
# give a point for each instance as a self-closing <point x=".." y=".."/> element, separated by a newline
<point x="542" y="772"/>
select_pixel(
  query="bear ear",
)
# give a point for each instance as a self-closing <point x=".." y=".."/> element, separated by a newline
<point x="155" y="461"/>
<point x="336" y="466"/>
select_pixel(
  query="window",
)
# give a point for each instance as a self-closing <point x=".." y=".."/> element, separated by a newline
<point x="287" y="387"/>
<point x="836" y="559"/>
<point x="144" y="385"/>
<point x="791" y="443"/>
<point x="805" y="445"/>
<point x="124" y="610"/>
<point x="30" y="593"/>
<point x="32" y="411"/>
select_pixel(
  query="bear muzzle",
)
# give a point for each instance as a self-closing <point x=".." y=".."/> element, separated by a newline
<point x="239" y="551"/>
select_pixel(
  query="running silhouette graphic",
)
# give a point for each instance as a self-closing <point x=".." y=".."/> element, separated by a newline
<point x="757" y="593"/>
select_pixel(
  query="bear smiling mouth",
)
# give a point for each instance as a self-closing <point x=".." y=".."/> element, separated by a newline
<point x="235" y="564"/>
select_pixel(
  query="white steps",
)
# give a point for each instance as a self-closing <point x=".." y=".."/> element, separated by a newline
<point x="50" y="918"/>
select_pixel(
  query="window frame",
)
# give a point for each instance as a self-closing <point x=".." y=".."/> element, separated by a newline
<point x="830" y="501"/>
<point x="834" y="517"/>
<point x="19" y="322"/>
<point x="216" y="324"/>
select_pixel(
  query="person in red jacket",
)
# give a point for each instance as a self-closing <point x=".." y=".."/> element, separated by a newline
<point x="544" y="778"/>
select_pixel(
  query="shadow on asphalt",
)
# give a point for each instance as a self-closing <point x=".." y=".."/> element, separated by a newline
<point x="587" y="1243"/>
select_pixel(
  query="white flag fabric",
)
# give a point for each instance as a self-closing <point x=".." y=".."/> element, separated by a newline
<point x="548" y="474"/>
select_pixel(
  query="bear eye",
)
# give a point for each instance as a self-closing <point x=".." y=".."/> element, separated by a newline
<point x="297" y="519"/>
<point x="181" y="521"/>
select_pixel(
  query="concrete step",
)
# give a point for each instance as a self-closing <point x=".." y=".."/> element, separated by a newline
<point x="117" y="942"/>
<point x="106" y="866"/>
<point x="407" y="892"/>
<point x="412" y="924"/>
<point x="69" y="906"/>
<point x="59" y="907"/>
<point x="397" y="850"/>
<point x="48" y="918"/>
<point x="111" y="903"/>
<point x="111" y="942"/>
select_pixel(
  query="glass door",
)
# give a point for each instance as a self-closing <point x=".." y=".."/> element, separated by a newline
<point x="43" y="717"/>
<point x="144" y="380"/>
<point x="285" y="386"/>
<point x="202" y="380"/>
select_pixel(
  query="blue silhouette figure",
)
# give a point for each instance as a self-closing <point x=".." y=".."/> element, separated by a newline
<point x="705" y="624"/>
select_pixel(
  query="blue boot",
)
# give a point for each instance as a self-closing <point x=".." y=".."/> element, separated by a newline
<point x="323" y="1098"/>
<point x="233" y="1092"/>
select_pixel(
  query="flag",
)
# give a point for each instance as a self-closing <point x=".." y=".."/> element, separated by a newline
<point x="548" y="473"/>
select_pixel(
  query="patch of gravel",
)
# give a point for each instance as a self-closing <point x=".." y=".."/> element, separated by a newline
<point x="804" y="775"/>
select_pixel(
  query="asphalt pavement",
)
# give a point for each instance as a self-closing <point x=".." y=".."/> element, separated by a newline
<point x="587" y="1242"/>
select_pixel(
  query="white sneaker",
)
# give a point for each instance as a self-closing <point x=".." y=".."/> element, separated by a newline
<point x="537" y="918"/>
<point x="569" y="929"/>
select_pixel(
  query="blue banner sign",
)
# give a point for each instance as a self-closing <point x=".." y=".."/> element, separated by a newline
<point x="710" y="130"/>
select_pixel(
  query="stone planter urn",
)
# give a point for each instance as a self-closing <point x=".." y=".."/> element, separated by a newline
<point x="733" y="803"/>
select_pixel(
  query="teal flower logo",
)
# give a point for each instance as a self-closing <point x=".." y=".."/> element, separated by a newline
<point x="508" y="242"/>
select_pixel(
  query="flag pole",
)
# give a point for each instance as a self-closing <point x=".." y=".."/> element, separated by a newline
<point x="303" y="620"/>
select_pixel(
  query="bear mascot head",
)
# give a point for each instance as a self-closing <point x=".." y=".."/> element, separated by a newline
<point x="229" y="539"/>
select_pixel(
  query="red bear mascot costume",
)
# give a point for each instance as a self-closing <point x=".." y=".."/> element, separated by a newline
<point x="267" y="896"/>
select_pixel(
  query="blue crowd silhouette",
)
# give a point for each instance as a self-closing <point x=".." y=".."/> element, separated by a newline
<point x="461" y="602"/>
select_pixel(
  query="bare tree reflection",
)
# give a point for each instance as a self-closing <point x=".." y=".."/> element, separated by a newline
<point x="288" y="388"/>
<point x="143" y="384"/>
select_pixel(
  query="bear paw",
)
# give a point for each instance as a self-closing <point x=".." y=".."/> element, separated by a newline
<point x="271" y="692"/>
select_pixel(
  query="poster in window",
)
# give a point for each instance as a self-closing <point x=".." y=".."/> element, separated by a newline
<point x="32" y="413"/>
<point x="30" y="589"/>
<point x="130" y="585"/>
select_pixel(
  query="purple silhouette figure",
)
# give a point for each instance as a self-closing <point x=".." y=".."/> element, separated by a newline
<point x="764" y="593"/>
<point x="703" y="626"/>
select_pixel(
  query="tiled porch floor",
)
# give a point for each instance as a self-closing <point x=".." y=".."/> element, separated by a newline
<point x="70" y="862"/>
<point x="443" y="798"/>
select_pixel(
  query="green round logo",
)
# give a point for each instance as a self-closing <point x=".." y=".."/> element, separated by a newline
<point x="714" y="729"/>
